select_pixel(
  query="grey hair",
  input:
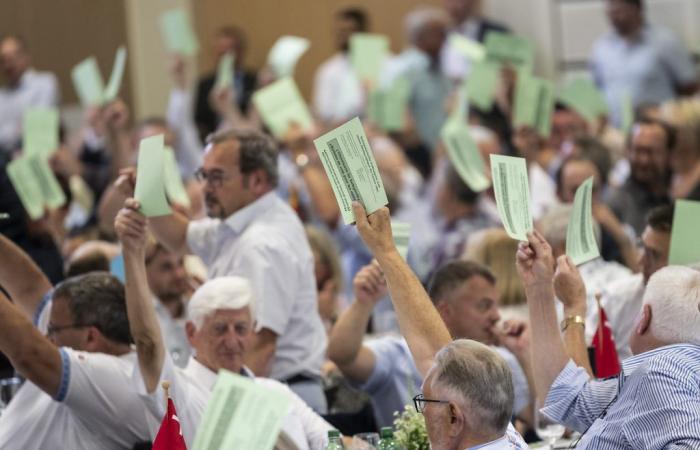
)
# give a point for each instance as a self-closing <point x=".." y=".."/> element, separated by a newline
<point x="555" y="222"/>
<point x="219" y="293"/>
<point x="482" y="381"/>
<point x="97" y="299"/>
<point x="674" y="296"/>
<point x="258" y="151"/>
<point x="417" y="19"/>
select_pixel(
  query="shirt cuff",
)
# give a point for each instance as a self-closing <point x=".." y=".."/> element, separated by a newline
<point x="65" y="376"/>
<point x="40" y="308"/>
<point x="563" y="392"/>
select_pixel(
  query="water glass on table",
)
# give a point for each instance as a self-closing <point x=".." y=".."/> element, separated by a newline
<point x="547" y="430"/>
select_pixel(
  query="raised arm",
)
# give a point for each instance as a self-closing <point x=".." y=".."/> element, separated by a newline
<point x="21" y="277"/>
<point x="536" y="268"/>
<point x="130" y="226"/>
<point x="31" y="353"/>
<point x="345" y="347"/>
<point x="418" y="319"/>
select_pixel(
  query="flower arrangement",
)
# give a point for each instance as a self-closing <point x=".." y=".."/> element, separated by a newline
<point x="410" y="429"/>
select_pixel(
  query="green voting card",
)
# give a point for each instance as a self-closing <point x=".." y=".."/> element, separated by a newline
<point x="367" y="54"/>
<point x="285" y="53"/>
<point x="464" y="155"/>
<point x="88" y="82"/>
<point x="512" y="189"/>
<point x="115" y="79"/>
<point x="174" y="187"/>
<point x="585" y="98"/>
<point x="227" y="421"/>
<point x="581" y="245"/>
<point x="150" y="177"/>
<point x="51" y="191"/>
<point x="224" y="72"/>
<point x="627" y="114"/>
<point x="467" y="47"/>
<point x="351" y="169"/>
<point x="281" y="104"/>
<point x="26" y="185"/>
<point x="534" y="103"/>
<point x="40" y="131"/>
<point x="509" y="48"/>
<point x="685" y="245"/>
<point x="176" y="28"/>
<point x="482" y="83"/>
<point x="402" y="235"/>
<point x="387" y="107"/>
<point x="460" y="111"/>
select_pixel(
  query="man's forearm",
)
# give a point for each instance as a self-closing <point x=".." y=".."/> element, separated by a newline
<point x="575" y="342"/>
<point x="143" y="322"/>
<point x="21" y="277"/>
<point x="347" y="334"/>
<point x="418" y="319"/>
<point x="548" y="351"/>
<point x="171" y="231"/>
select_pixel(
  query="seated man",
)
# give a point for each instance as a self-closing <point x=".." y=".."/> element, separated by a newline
<point x="466" y="297"/>
<point x="78" y="391"/>
<point x="467" y="395"/>
<point x="655" y="402"/>
<point x="219" y="329"/>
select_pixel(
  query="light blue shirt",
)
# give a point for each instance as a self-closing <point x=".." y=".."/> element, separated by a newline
<point x="649" y="68"/>
<point x="654" y="404"/>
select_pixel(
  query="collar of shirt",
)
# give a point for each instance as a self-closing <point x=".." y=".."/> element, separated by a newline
<point x="206" y="376"/>
<point x="240" y="220"/>
<point x="493" y="445"/>
<point x="633" y="363"/>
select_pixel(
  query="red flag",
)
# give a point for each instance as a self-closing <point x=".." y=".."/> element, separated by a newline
<point x="607" y="363"/>
<point x="169" y="435"/>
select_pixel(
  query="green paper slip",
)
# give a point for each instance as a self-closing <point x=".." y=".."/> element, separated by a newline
<point x="51" y="191"/>
<point x="585" y="98"/>
<point x="26" y="185"/>
<point x="581" y="245"/>
<point x="224" y="72"/>
<point x="387" y="107"/>
<point x="402" y="235"/>
<point x="177" y="32"/>
<point x="115" y="79"/>
<point x="509" y="48"/>
<point x="534" y="103"/>
<point x="280" y="104"/>
<point x="481" y="84"/>
<point x="464" y="155"/>
<point x="285" y="53"/>
<point x="512" y="189"/>
<point x="627" y="114"/>
<point x="40" y="131"/>
<point x="174" y="187"/>
<point x="227" y="421"/>
<point x="351" y="169"/>
<point x="685" y="245"/>
<point x="467" y="47"/>
<point x="88" y="82"/>
<point x="367" y="54"/>
<point x="150" y="177"/>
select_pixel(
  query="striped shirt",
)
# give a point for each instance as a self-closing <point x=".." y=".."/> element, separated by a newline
<point x="653" y="404"/>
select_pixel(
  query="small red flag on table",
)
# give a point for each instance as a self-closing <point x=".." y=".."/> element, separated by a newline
<point x="169" y="435"/>
<point x="607" y="363"/>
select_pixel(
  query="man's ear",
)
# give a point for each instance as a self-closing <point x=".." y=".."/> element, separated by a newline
<point x="457" y="420"/>
<point x="93" y="339"/>
<point x="190" y="331"/>
<point x="644" y="320"/>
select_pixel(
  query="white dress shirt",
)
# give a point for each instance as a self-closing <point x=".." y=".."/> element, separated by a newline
<point x="34" y="90"/>
<point x="543" y="190"/>
<point x="187" y="145"/>
<point x="190" y="389"/>
<point x="454" y="64"/>
<point x="265" y="243"/>
<point x="174" y="335"/>
<point x="338" y="95"/>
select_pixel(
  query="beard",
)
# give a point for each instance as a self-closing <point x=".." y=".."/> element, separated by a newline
<point x="214" y="208"/>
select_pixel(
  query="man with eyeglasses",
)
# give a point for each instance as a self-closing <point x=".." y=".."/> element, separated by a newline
<point x="77" y="392"/>
<point x="252" y="233"/>
<point x="467" y="394"/>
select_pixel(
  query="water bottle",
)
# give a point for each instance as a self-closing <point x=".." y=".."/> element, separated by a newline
<point x="387" y="441"/>
<point x="334" y="441"/>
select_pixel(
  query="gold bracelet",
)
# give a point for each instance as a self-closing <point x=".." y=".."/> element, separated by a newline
<point x="577" y="320"/>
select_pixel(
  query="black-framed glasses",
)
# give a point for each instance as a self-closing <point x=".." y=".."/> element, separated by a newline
<point x="53" y="329"/>
<point x="419" y="401"/>
<point x="215" y="178"/>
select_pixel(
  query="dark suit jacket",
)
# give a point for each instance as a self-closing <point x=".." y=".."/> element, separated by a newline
<point x="205" y="118"/>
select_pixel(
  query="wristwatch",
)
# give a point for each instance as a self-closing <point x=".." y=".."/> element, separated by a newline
<point x="578" y="320"/>
<point x="301" y="161"/>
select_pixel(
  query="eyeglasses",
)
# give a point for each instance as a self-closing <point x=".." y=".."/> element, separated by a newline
<point x="53" y="329"/>
<point x="215" y="178"/>
<point x="420" y="402"/>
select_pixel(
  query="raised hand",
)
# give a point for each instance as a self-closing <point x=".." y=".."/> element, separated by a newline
<point x="130" y="226"/>
<point x="369" y="285"/>
<point x="375" y="230"/>
<point x="515" y="336"/>
<point x="126" y="181"/>
<point x="569" y="287"/>
<point x="535" y="261"/>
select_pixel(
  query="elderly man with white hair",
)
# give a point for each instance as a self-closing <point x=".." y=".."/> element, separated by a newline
<point x="220" y="330"/>
<point x="467" y="394"/>
<point x="655" y="402"/>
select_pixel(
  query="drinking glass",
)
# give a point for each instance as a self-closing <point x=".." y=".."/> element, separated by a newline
<point x="547" y="430"/>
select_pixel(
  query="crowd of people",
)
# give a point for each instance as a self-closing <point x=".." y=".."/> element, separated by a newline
<point x="257" y="274"/>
